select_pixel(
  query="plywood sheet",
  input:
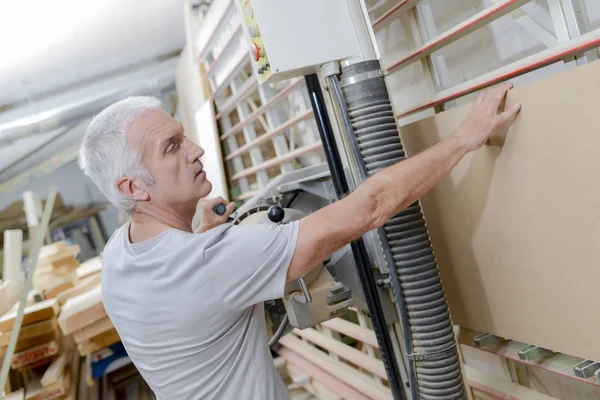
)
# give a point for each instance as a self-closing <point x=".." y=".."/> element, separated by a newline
<point x="516" y="225"/>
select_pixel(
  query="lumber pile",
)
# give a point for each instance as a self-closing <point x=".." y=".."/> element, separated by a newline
<point x="84" y="317"/>
<point x="42" y="352"/>
<point x="64" y="321"/>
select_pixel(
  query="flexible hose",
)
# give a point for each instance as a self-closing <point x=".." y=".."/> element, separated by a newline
<point x="359" y="250"/>
<point x="414" y="277"/>
<point x="279" y="332"/>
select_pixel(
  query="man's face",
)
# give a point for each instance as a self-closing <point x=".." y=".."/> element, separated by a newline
<point x="172" y="160"/>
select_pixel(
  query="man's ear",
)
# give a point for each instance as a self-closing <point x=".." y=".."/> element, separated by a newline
<point x="130" y="189"/>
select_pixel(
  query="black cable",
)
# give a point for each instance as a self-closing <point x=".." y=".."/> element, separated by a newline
<point x="358" y="246"/>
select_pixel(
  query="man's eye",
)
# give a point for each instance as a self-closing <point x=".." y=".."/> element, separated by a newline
<point x="171" y="147"/>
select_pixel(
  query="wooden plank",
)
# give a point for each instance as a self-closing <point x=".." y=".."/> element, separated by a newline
<point x="354" y="331"/>
<point x="82" y="310"/>
<point x="13" y="253"/>
<point x="34" y="354"/>
<point x="89" y="267"/>
<point x="58" y="288"/>
<point x="344" y="351"/>
<point x="98" y="342"/>
<point x="328" y="380"/>
<point x="24" y="344"/>
<point x="75" y="372"/>
<point x="344" y="372"/>
<point x="18" y="395"/>
<point x="30" y="331"/>
<point x="55" y="370"/>
<point x="88" y="332"/>
<point x="35" y="390"/>
<point x="515" y="224"/>
<point x="83" y="286"/>
<point x="33" y="313"/>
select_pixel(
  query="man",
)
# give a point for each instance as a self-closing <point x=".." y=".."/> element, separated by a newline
<point x="188" y="306"/>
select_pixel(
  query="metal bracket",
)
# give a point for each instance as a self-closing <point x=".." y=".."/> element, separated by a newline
<point x="586" y="369"/>
<point x="532" y="353"/>
<point x="486" y="339"/>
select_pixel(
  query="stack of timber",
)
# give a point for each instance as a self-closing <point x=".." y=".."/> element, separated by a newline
<point x="64" y="321"/>
<point x="43" y="356"/>
<point x="84" y="317"/>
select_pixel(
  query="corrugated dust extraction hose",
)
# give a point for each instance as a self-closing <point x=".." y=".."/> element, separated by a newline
<point x="414" y="277"/>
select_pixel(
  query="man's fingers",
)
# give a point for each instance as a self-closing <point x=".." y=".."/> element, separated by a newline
<point x="230" y="208"/>
<point x="210" y="203"/>
<point x="509" y="114"/>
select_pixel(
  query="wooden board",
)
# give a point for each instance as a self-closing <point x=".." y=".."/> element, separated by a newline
<point x="30" y="331"/>
<point x="18" y="395"/>
<point x="34" y="354"/>
<point x="98" y="342"/>
<point x="84" y="285"/>
<point x="95" y="329"/>
<point x="23" y="344"/>
<point x="89" y="267"/>
<point x="82" y="310"/>
<point x="36" y="312"/>
<point x="516" y="225"/>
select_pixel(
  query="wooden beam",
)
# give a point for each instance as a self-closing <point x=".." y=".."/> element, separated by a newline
<point x="36" y="312"/>
<point x="31" y="331"/>
<point x="82" y="310"/>
<point x="92" y="330"/>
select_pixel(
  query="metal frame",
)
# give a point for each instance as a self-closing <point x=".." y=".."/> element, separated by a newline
<point x="572" y="47"/>
<point x="571" y="44"/>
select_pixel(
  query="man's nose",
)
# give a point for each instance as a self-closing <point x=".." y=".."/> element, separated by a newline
<point x="194" y="152"/>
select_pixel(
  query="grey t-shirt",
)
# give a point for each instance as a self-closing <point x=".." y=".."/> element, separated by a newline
<point x="189" y="308"/>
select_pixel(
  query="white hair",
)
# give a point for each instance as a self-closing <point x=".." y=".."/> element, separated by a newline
<point x="104" y="155"/>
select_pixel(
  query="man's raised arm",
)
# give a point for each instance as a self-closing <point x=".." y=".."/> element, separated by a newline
<point x="391" y="190"/>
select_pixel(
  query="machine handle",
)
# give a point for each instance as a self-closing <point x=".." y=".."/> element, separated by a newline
<point x="220" y="209"/>
<point x="305" y="290"/>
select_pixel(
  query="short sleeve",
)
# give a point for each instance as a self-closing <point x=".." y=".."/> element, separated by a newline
<point x="248" y="264"/>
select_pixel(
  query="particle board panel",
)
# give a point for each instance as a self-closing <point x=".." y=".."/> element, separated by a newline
<point x="516" y="225"/>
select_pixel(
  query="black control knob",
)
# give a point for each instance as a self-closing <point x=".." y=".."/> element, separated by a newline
<point x="275" y="214"/>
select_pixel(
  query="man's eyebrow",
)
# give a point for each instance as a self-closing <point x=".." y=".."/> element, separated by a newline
<point x="169" y="139"/>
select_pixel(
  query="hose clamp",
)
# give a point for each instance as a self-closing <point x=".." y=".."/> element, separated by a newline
<point x="433" y="355"/>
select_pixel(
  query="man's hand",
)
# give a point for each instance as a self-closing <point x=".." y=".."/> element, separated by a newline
<point x="484" y="117"/>
<point x="210" y="219"/>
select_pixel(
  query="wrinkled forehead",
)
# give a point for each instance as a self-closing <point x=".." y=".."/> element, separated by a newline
<point x="146" y="127"/>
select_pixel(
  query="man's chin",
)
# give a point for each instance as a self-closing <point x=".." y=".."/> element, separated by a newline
<point x="206" y="188"/>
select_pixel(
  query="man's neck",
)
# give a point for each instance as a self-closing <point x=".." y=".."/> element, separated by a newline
<point x="149" y="221"/>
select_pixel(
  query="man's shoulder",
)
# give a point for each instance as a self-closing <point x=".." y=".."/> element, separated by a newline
<point x="115" y="237"/>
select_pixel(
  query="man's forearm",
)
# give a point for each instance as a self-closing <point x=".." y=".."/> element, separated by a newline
<point x="391" y="190"/>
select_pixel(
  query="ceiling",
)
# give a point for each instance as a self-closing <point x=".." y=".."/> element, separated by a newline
<point x="50" y="47"/>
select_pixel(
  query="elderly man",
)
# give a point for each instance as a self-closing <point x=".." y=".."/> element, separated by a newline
<point x="188" y="306"/>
